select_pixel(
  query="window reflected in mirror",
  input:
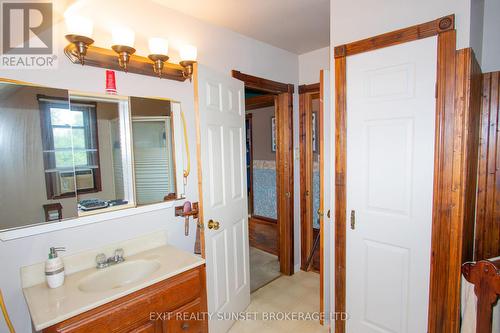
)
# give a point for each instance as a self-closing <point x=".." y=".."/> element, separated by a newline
<point x="36" y="156"/>
<point x="153" y="150"/>
<point x="100" y="131"/>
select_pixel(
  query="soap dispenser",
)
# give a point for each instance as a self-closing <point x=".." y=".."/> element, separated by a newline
<point x="54" y="268"/>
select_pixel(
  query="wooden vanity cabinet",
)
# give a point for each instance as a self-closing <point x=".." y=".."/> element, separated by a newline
<point x="175" y="305"/>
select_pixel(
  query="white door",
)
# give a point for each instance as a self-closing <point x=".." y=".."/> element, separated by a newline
<point x="390" y="162"/>
<point x="223" y="163"/>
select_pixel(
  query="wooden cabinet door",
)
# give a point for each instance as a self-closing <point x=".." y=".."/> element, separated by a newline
<point x="188" y="319"/>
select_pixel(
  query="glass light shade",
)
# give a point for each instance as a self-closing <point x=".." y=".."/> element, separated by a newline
<point x="158" y="46"/>
<point x="188" y="52"/>
<point x="79" y="25"/>
<point x="122" y="36"/>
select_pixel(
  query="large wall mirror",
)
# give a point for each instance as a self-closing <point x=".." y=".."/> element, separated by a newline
<point x="66" y="154"/>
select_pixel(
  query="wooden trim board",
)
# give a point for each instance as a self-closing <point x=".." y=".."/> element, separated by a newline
<point x="283" y="102"/>
<point x="262" y="84"/>
<point x="259" y="102"/>
<point x="487" y="241"/>
<point x="405" y="35"/>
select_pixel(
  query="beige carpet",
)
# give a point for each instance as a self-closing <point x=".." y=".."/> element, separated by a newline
<point x="264" y="268"/>
<point x="298" y="293"/>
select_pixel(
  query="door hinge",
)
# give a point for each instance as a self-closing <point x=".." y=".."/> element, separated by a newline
<point x="353" y="219"/>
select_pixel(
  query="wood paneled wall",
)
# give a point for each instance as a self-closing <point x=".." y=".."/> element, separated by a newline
<point x="487" y="243"/>
<point x="468" y="101"/>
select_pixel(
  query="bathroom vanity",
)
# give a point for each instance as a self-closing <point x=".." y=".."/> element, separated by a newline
<point x="157" y="290"/>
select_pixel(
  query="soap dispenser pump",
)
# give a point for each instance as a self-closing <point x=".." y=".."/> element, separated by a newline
<point x="54" y="268"/>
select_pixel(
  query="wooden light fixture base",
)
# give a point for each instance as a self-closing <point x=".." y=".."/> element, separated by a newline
<point x="104" y="58"/>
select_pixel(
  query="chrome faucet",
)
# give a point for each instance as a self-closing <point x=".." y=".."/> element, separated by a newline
<point x="103" y="262"/>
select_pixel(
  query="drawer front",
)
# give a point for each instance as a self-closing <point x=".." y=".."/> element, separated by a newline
<point x="188" y="319"/>
<point x="126" y="313"/>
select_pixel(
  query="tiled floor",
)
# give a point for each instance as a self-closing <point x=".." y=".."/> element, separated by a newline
<point x="264" y="268"/>
<point x="298" y="293"/>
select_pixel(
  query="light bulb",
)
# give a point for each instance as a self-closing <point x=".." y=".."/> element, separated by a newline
<point x="79" y="25"/>
<point x="158" y="46"/>
<point x="188" y="53"/>
<point x="122" y="36"/>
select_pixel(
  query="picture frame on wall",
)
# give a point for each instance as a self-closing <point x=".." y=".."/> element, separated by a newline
<point x="273" y="134"/>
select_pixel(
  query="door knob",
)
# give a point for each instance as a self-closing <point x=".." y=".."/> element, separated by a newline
<point x="213" y="225"/>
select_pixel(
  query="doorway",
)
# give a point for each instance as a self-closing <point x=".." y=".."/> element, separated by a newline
<point x="269" y="104"/>
<point x="442" y="313"/>
<point x="310" y="217"/>
<point x="261" y="144"/>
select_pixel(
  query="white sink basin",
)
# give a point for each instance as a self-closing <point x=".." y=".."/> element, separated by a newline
<point x="118" y="276"/>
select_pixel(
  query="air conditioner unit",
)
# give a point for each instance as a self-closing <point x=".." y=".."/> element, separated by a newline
<point x="84" y="181"/>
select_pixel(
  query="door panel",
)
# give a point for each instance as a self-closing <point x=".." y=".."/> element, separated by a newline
<point x="224" y="197"/>
<point x="390" y="164"/>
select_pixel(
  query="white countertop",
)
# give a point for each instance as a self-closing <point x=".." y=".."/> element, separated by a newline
<point x="51" y="306"/>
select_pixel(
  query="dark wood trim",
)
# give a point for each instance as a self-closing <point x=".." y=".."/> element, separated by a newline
<point x="468" y="101"/>
<point x="262" y="84"/>
<point x="284" y="180"/>
<point x="283" y="95"/>
<point x="305" y="182"/>
<point x="249" y="140"/>
<point x="449" y="186"/>
<point x="306" y="171"/>
<point x="340" y="190"/>
<point x="447" y="224"/>
<point x="487" y="242"/>
<point x="307" y="88"/>
<point x="409" y="34"/>
<point x="259" y="102"/>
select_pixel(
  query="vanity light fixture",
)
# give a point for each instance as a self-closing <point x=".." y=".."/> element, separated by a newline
<point x="158" y="47"/>
<point x="123" y="41"/>
<point x="188" y="54"/>
<point x="80" y="31"/>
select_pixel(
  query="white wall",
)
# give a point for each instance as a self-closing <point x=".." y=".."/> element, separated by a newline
<point x="491" y="36"/>
<point x="311" y="63"/>
<point x="354" y="20"/>
<point x="219" y="48"/>
<point x="476" y="28"/>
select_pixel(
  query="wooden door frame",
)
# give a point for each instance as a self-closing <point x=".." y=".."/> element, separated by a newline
<point x="249" y="118"/>
<point x="283" y="95"/>
<point x="306" y="94"/>
<point x="447" y="222"/>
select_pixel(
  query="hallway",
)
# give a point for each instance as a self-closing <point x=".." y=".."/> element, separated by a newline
<point x="298" y="293"/>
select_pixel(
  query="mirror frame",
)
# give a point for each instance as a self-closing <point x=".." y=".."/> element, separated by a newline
<point x="126" y="210"/>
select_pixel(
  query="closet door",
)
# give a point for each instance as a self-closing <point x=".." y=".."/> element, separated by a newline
<point x="390" y="166"/>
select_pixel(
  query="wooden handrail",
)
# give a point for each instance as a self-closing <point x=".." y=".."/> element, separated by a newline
<point x="485" y="276"/>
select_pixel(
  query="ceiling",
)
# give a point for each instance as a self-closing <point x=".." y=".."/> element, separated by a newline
<point x="298" y="26"/>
